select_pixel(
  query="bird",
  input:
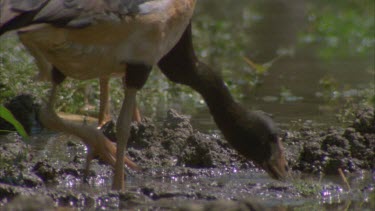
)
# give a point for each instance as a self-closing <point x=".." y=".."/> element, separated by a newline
<point x="85" y="39"/>
<point x="104" y="104"/>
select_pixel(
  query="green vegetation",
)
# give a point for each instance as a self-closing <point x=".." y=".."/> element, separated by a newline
<point x="307" y="188"/>
<point x="342" y="29"/>
<point x="8" y="116"/>
<point x="13" y="157"/>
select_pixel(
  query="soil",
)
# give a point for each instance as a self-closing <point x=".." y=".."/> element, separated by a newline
<point x="182" y="168"/>
<point x="351" y="149"/>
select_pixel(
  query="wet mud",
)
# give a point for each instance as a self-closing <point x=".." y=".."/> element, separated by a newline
<point x="351" y="148"/>
<point x="185" y="169"/>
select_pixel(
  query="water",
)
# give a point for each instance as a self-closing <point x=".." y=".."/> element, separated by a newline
<point x="320" y="56"/>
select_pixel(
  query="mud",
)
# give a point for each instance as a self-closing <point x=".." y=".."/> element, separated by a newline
<point x="351" y="149"/>
<point x="185" y="169"/>
<point x="175" y="143"/>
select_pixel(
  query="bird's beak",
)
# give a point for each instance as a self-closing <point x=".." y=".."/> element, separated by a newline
<point x="276" y="166"/>
<point x="276" y="171"/>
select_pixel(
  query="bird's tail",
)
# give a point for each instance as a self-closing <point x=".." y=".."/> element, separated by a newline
<point x="15" y="14"/>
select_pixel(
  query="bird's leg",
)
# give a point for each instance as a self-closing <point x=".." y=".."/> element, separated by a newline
<point x="137" y="114"/>
<point x="123" y="133"/>
<point x="104" y="108"/>
<point x="104" y="101"/>
<point x="57" y="79"/>
<point x="52" y="97"/>
<point x="94" y="139"/>
<point x="134" y="80"/>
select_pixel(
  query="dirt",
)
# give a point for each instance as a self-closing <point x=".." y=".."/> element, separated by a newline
<point x="187" y="170"/>
<point x="351" y="149"/>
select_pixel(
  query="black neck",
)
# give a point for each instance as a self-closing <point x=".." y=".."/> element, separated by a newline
<point x="224" y="109"/>
<point x="182" y="66"/>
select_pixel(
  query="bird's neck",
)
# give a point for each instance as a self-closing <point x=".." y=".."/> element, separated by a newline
<point x="227" y="113"/>
<point x="182" y="66"/>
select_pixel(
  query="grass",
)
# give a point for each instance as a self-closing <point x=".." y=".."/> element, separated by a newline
<point x="307" y="188"/>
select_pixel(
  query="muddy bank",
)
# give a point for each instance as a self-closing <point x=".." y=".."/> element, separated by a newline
<point x="325" y="151"/>
<point x="188" y="170"/>
<point x="174" y="142"/>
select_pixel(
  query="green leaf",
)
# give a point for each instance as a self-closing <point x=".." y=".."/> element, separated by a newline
<point x="8" y="116"/>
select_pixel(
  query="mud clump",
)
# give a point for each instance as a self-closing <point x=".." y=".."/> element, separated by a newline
<point x="176" y="130"/>
<point x="45" y="171"/>
<point x="351" y="148"/>
<point x="365" y="121"/>
<point x="177" y="144"/>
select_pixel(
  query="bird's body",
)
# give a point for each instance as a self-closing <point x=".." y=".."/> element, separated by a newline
<point x="77" y="51"/>
<point x="86" y="39"/>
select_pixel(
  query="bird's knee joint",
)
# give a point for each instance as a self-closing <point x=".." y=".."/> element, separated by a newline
<point x="57" y="76"/>
<point x="136" y="75"/>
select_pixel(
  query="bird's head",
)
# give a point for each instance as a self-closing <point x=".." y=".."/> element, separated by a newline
<point x="256" y="138"/>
